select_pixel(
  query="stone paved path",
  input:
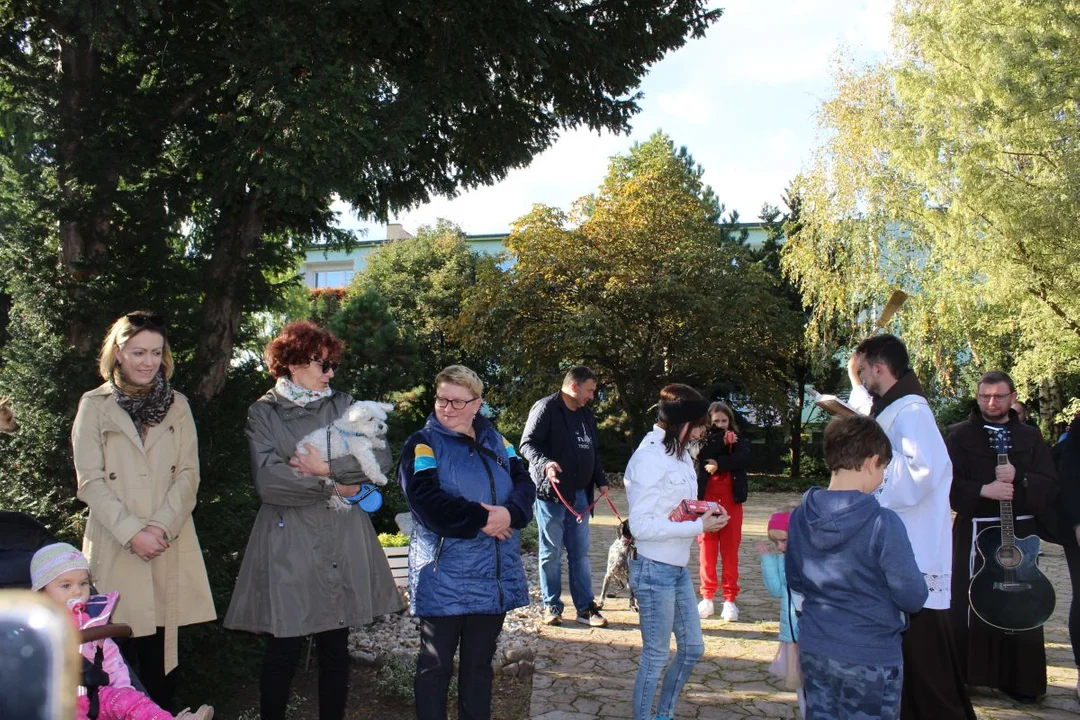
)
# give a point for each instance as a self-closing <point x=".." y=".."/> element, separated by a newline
<point x="584" y="673"/>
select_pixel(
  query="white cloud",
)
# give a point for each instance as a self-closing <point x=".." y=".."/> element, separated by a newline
<point x="872" y="29"/>
<point x="693" y="107"/>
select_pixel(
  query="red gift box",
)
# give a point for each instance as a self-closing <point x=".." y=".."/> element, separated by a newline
<point x="693" y="509"/>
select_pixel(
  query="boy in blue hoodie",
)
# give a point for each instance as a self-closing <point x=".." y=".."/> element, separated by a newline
<point x="851" y="560"/>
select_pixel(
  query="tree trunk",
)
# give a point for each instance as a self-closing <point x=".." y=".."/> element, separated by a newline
<point x="796" y="429"/>
<point x="237" y="234"/>
<point x="81" y="239"/>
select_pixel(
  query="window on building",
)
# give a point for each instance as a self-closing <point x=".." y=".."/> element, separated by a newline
<point x="334" y="278"/>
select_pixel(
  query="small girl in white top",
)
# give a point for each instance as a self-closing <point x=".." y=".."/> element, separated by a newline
<point x="659" y="476"/>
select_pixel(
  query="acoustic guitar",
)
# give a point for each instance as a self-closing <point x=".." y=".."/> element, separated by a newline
<point x="1009" y="591"/>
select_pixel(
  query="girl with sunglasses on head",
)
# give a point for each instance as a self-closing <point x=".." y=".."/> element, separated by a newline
<point x="137" y="463"/>
<point x="659" y="476"/>
<point x="307" y="570"/>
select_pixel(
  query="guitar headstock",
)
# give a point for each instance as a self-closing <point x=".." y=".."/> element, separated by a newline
<point x="1000" y="438"/>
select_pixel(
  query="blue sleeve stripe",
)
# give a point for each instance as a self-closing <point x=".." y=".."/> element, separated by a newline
<point x="510" y="451"/>
<point x="423" y="462"/>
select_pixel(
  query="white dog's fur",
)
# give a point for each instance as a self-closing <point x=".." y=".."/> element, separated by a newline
<point x="358" y="432"/>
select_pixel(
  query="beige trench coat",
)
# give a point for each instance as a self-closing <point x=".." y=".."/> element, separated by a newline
<point x="129" y="484"/>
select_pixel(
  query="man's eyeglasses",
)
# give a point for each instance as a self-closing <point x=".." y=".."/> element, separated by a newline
<point x="141" y="320"/>
<point x="987" y="398"/>
<point x="441" y="402"/>
<point x="326" y="365"/>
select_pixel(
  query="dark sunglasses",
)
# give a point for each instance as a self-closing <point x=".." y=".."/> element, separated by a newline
<point x="141" y="320"/>
<point x="326" y="365"/>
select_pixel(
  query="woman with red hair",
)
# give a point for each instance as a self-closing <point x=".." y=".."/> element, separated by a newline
<point x="307" y="570"/>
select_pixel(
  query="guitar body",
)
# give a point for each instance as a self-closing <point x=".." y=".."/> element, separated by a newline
<point x="1009" y="591"/>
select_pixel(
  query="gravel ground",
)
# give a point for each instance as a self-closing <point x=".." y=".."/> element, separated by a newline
<point x="398" y="636"/>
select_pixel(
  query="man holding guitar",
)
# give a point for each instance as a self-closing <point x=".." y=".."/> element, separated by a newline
<point x="1003" y="474"/>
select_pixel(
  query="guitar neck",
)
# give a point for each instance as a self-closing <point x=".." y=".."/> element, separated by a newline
<point x="1008" y="535"/>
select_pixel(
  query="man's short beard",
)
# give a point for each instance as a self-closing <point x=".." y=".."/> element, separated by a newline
<point x="995" y="419"/>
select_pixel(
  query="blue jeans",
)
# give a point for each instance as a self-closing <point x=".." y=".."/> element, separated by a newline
<point x="558" y="530"/>
<point x="668" y="604"/>
<point x="838" y="690"/>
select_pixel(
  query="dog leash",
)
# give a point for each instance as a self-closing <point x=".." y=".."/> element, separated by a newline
<point x="581" y="516"/>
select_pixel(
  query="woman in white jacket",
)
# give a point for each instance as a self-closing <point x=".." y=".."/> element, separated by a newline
<point x="659" y="476"/>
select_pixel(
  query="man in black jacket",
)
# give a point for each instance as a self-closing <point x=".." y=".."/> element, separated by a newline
<point x="560" y="445"/>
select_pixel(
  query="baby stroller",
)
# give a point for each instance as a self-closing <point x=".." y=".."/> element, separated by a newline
<point x="20" y="537"/>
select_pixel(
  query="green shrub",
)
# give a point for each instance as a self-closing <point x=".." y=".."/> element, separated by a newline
<point x="393" y="540"/>
<point x="782" y="483"/>
<point x="530" y="537"/>
<point x="395" y="677"/>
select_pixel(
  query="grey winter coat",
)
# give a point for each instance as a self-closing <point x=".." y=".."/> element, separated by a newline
<point x="307" y="568"/>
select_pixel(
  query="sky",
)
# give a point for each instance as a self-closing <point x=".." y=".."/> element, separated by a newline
<point x="743" y="100"/>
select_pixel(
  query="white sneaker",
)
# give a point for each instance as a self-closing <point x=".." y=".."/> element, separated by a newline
<point x="705" y="608"/>
<point x="730" y="613"/>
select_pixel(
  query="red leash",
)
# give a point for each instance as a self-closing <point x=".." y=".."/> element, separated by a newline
<point x="581" y="516"/>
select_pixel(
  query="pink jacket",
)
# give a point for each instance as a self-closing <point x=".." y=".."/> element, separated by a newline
<point x="97" y="611"/>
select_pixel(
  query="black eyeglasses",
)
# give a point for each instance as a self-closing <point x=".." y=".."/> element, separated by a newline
<point x="141" y="320"/>
<point x="441" y="402"/>
<point x="326" y="365"/>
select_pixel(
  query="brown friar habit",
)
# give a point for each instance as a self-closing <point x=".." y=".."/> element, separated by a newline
<point x="1012" y="662"/>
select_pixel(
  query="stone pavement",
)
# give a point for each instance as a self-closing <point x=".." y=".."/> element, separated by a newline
<point x="584" y="673"/>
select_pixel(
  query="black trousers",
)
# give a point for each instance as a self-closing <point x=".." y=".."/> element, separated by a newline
<point x="934" y="687"/>
<point x="146" y="657"/>
<point x="1072" y="557"/>
<point x="279" y="666"/>
<point x="440" y="637"/>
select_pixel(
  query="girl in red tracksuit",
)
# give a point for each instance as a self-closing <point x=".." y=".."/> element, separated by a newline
<point x="721" y="473"/>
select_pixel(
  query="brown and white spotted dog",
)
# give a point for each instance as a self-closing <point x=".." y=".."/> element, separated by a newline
<point x="7" y="416"/>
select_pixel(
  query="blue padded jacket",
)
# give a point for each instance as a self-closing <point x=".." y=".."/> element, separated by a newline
<point x="772" y="572"/>
<point x="454" y="568"/>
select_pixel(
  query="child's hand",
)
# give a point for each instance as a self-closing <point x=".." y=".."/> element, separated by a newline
<point x="711" y="467"/>
<point x="763" y="548"/>
<point x="730" y="438"/>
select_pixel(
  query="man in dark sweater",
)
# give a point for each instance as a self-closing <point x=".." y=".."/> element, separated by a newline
<point x="560" y="445"/>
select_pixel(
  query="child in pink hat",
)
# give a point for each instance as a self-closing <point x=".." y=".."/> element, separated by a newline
<point x="63" y="574"/>
<point x="786" y="662"/>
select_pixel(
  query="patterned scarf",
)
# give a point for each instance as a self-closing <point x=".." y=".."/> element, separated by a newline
<point x="146" y="404"/>
<point x="289" y="390"/>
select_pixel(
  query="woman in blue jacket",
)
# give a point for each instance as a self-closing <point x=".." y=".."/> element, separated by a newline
<point x="470" y="494"/>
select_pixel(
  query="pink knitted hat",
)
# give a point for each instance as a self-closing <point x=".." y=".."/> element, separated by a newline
<point x="52" y="561"/>
<point x="779" y="521"/>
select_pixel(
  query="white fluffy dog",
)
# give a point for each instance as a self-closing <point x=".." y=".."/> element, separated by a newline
<point x="358" y="432"/>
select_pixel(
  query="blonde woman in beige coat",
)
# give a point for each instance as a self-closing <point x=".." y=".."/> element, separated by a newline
<point x="137" y="463"/>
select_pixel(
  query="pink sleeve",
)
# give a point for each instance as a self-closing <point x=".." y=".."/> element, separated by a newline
<point x="115" y="666"/>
